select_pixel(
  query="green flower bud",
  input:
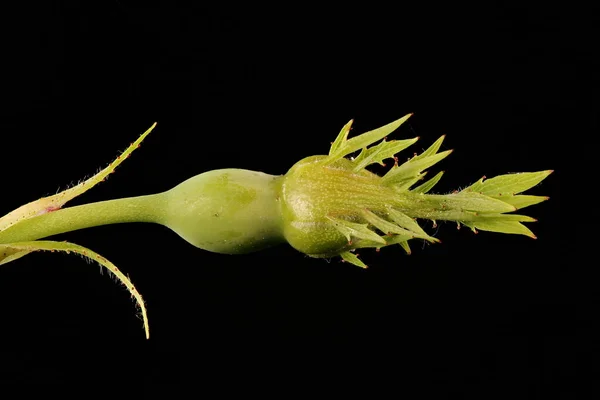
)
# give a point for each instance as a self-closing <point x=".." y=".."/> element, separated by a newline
<point x="324" y="206"/>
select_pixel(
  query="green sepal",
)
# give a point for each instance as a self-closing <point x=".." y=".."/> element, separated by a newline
<point x="522" y="200"/>
<point x="353" y="230"/>
<point x="500" y="225"/>
<point x="406" y="247"/>
<point x="467" y="201"/>
<point x="408" y="223"/>
<point x="406" y="184"/>
<point x="342" y="146"/>
<point x="504" y="217"/>
<point x="509" y="184"/>
<point x="384" y="150"/>
<point x="412" y="168"/>
<point x="352" y="259"/>
<point x="341" y="137"/>
<point x="386" y="227"/>
<point x="400" y="240"/>
<point x="427" y="186"/>
<point x="433" y="149"/>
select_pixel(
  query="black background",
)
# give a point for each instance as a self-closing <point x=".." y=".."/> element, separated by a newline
<point x="478" y="316"/>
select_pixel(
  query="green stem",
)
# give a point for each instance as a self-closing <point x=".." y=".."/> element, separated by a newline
<point x="132" y="209"/>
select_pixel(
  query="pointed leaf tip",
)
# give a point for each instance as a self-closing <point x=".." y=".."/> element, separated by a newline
<point x="427" y="186"/>
<point x="353" y="230"/>
<point x="342" y="147"/>
<point x="509" y="184"/>
<point x="12" y="251"/>
<point x="377" y="154"/>
<point x="352" y="259"/>
<point x="501" y="225"/>
<point x="55" y="202"/>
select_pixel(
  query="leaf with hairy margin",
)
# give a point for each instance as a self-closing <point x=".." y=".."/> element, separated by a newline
<point x="13" y="251"/>
<point x="55" y="202"/>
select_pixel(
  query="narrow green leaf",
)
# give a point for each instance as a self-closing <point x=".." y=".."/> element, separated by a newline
<point x="522" y="200"/>
<point x="412" y="167"/>
<point x="355" y="230"/>
<point x="410" y="225"/>
<point x="406" y="247"/>
<point x="400" y="240"/>
<point x="12" y="251"/>
<point x="461" y="206"/>
<point x="390" y="228"/>
<point x="433" y="149"/>
<point x="419" y="164"/>
<point x="406" y="222"/>
<point x="427" y="186"/>
<point x="512" y="217"/>
<point x="484" y="217"/>
<point x="8" y="253"/>
<point x="384" y="150"/>
<point x="55" y="202"/>
<point x="352" y="259"/>
<point x="364" y="140"/>
<point x="406" y="184"/>
<point x="469" y="201"/>
<point x="501" y="226"/>
<point x="385" y="226"/>
<point x="341" y="137"/>
<point x="509" y="184"/>
<point x="363" y="244"/>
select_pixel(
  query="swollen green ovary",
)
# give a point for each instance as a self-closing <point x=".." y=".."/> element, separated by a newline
<point x="229" y="211"/>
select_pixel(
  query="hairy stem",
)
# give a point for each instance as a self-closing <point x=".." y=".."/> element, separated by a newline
<point x="131" y="209"/>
